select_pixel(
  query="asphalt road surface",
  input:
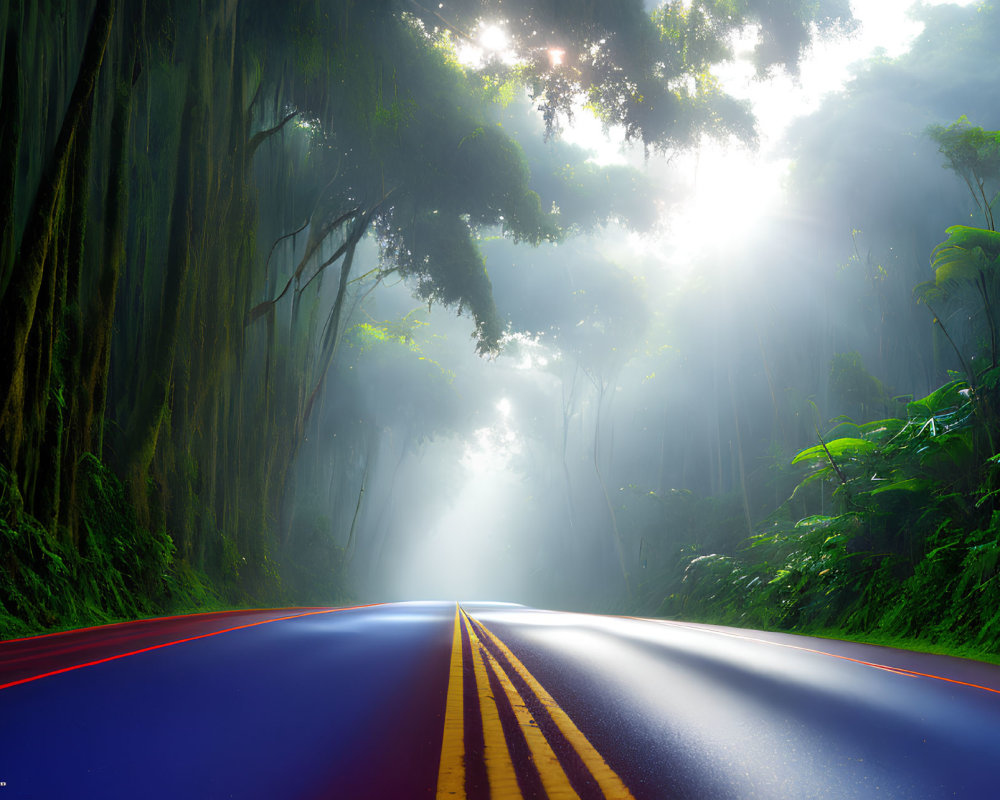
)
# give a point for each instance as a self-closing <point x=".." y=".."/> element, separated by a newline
<point x="432" y="699"/>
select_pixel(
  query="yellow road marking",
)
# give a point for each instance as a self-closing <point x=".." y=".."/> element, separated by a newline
<point x="554" y="778"/>
<point x="607" y="779"/>
<point x="451" y="773"/>
<point x="496" y="754"/>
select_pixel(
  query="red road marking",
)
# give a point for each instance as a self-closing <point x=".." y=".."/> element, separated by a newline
<point x="176" y="641"/>
<point x="126" y="622"/>
<point x="899" y="670"/>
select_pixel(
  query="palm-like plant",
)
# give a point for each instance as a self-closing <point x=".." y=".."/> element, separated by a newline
<point x="968" y="259"/>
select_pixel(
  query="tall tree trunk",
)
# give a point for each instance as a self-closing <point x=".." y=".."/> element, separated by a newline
<point x="101" y="308"/>
<point x="10" y="138"/>
<point x="21" y="294"/>
<point x="71" y="429"/>
<point x="615" y="533"/>
<point x="144" y="423"/>
<point x="739" y="455"/>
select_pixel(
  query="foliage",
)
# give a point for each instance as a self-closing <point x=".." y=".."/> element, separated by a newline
<point x="161" y="162"/>
<point x="316" y="568"/>
<point x="910" y="550"/>
<point x="678" y="526"/>
<point x="974" y="155"/>
<point x="891" y="532"/>
<point x="120" y="572"/>
<point x="860" y="392"/>
<point x="167" y="168"/>
<point x="649" y="74"/>
<point x="967" y="281"/>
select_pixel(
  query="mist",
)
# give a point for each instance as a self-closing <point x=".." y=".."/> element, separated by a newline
<point x="643" y="374"/>
<point x="469" y="324"/>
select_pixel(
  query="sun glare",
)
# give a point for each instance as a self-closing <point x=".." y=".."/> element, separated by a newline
<point x="491" y="448"/>
<point x="731" y="190"/>
<point x="490" y="43"/>
<point x="587" y="131"/>
<point x="493" y="38"/>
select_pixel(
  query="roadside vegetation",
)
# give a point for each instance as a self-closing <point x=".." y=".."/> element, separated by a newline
<point x="892" y="532"/>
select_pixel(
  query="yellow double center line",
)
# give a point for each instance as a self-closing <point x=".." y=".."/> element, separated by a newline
<point x="496" y="753"/>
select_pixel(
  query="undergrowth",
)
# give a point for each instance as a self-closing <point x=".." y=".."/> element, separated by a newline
<point x="117" y="571"/>
<point x="909" y="553"/>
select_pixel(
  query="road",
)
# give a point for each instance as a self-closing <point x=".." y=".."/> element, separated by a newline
<point x="413" y="700"/>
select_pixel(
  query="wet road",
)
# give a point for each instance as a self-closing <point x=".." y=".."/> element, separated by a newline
<point x="416" y="700"/>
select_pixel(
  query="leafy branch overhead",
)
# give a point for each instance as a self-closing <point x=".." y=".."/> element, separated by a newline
<point x="412" y="124"/>
<point x="404" y="137"/>
<point x="650" y="74"/>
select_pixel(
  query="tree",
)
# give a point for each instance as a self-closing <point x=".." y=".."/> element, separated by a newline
<point x="969" y="257"/>
<point x="591" y="315"/>
<point x="974" y="155"/>
<point x="647" y="73"/>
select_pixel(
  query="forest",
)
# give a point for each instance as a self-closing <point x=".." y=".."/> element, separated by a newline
<point x="326" y="301"/>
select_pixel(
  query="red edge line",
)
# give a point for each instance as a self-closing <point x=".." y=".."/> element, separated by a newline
<point x="898" y="670"/>
<point x="139" y="621"/>
<point x="177" y="641"/>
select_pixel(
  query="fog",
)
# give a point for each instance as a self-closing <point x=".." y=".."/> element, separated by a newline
<point x="661" y="366"/>
<point x="685" y="309"/>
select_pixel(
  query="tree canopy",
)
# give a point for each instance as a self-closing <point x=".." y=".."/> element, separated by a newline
<point x="649" y="73"/>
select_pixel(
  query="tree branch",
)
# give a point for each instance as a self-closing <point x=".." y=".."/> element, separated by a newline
<point x="428" y="12"/>
<point x="968" y="370"/>
<point x="261" y="309"/>
<point x="261" y="136"/>
<point x="331" y="336"/>
<point x="282" y="238"/>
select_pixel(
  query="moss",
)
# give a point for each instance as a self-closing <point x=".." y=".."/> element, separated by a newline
<point x="120" y="570"/>
<point x="314" y="565"/>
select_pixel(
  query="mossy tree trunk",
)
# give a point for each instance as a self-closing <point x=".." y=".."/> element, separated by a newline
<point x="40" y="326"/>
<point x="145" y="149"/>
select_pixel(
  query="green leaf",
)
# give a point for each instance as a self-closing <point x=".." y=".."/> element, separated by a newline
<point x="990" y="379"/>
<point x="845" y="428"/>
<point x="817" y="475"/>
<point x="882" y="430"/>
<point x="948" y="449"/>
<point x="847" y="446"/>
<point x="908" y="485"/>
<point x="954" y="264"/>
<point x="969" y="237"/>
<point x="815" y="519"/>
<point x="947" y="398"/>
